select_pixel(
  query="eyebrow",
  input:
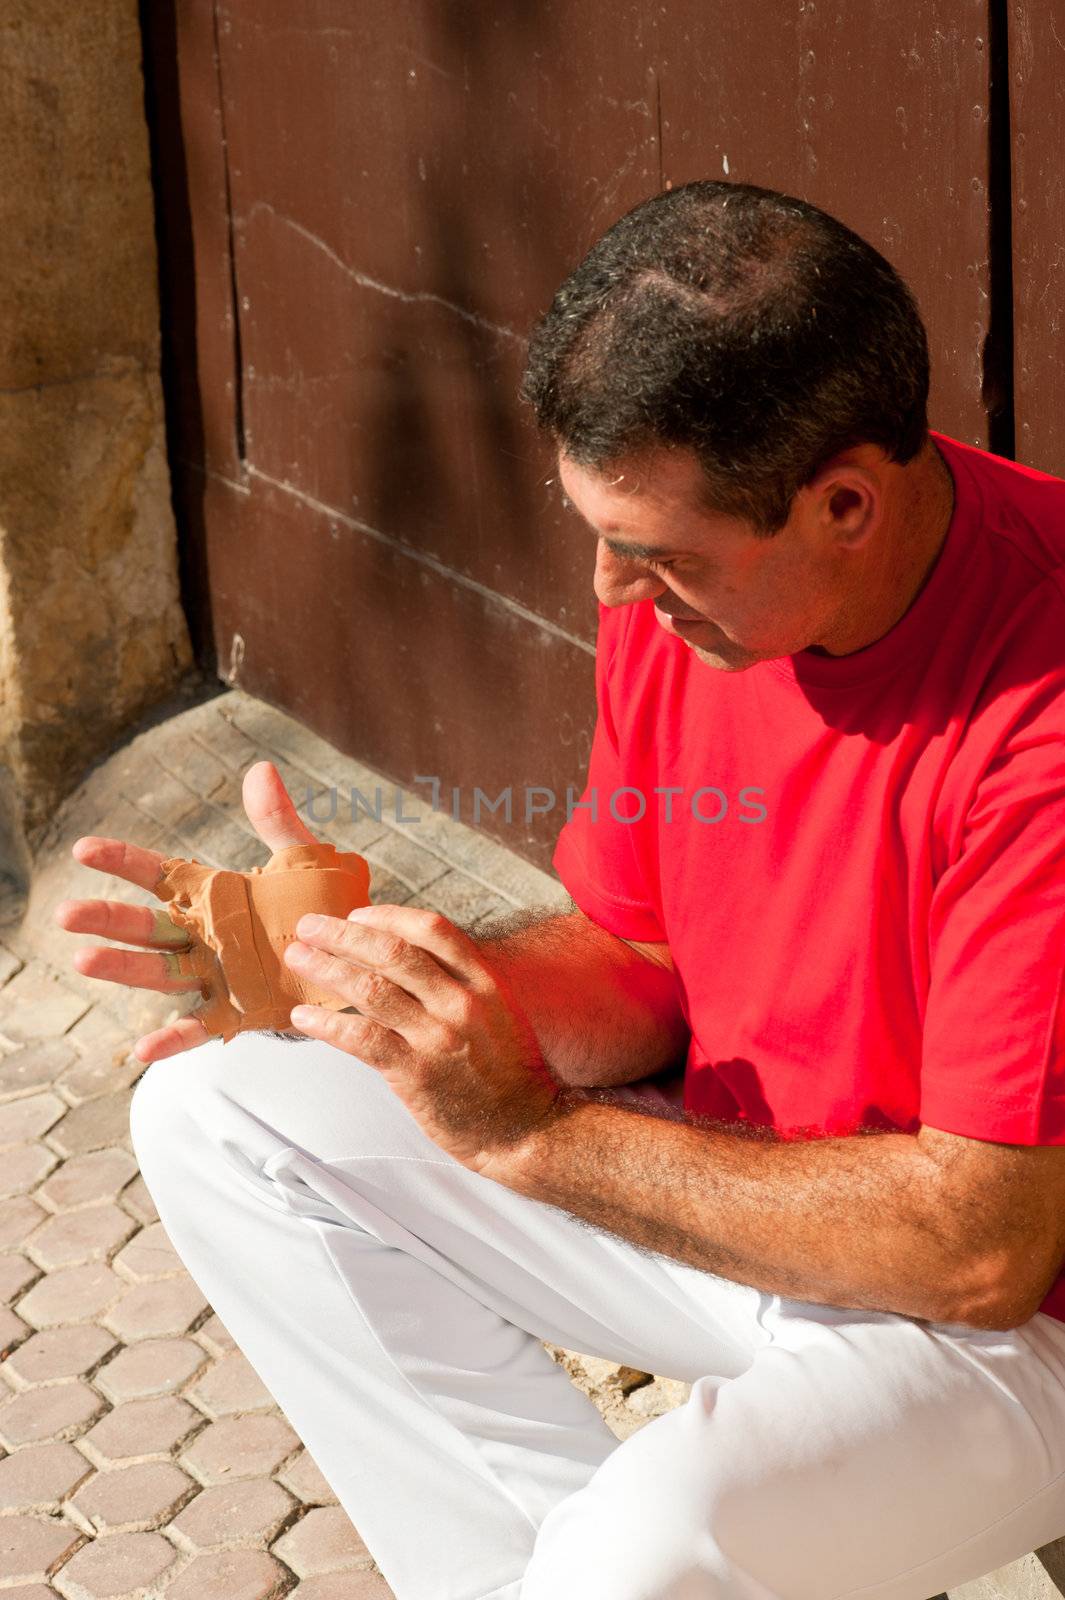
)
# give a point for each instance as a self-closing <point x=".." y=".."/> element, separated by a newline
<point x="621" y="547"/>
<point x="626" y="549"/>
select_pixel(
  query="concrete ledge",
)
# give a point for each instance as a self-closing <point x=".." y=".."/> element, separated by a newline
<point x="1037" y="1577"/>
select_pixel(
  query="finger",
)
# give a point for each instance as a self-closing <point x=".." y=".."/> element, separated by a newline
<point x="184" y="1034"/>
<point x="169" y="974"/>
<point x="411" y="946"/>
<point x="370" y="991"/>
<point x="359" y="1036"/>
<point x="114" y="919"/>
<point x="129" y="861"/>
<point x="270" y="809"/>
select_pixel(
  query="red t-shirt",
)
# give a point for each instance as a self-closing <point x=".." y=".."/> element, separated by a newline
<point x="863" y="881"/>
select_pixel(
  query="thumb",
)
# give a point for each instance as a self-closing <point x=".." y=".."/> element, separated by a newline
<point x="270" y="810"/>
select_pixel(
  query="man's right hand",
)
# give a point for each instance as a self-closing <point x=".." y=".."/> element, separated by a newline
<point x="271" y="813"/>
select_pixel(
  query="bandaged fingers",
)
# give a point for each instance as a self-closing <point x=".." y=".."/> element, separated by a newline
<point x="155" y="966"/>
<point x="117" y="919"/>
<point x="169" y="972"/>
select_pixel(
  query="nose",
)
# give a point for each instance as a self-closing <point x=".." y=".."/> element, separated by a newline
<point x="619" y="581"/>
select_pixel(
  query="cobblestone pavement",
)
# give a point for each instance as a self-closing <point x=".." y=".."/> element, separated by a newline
<point x="140" y="1456"/>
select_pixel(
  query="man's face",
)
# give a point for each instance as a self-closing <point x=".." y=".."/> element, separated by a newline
<point x="734" y="598"/>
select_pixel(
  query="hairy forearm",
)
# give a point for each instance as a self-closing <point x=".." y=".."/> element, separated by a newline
<point x="602" y="1013"/>
<point x="834" y="1221"/>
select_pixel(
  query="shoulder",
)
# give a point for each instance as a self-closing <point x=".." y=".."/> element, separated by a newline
<point x="634" y="656"/>
<point x="1007" y="631"/>
<point x="1018" y="509"/>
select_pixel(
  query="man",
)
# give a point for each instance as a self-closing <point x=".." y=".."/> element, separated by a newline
<point x="822" y="851"/>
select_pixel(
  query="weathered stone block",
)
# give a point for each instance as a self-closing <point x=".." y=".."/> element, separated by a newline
<point x="132" y="1499"/>
<point x="156" y="1309"/>
<point x="231" y="1575"/>
<point x="139" y="1429"/>
<point x="138" y="1202"/>
<point x="57" y="1354"/>
<point x="153" y="1367"/>
<point x="248" y="1512"/>
<point x="305" y="1478"/>
<point x="34" y="1067"/>
<point x="230" y="1388"/>
<point x="90" y="563"/>
<point x="58" y="1411"/>
<point x="73" y="1294"/>
<point x="343" y="1586"/>
<point x="91" y="1179"/>
<point x="323" y="1541"/>
<point x="87" y="540"/>
<point x="40" y="1477"/>
<point x="1033" y="1578"/>
<point x="92" y="1234"/>
<point x="33" y="1547"/>
<point x="123" y="1564"/>
<point x="36" y="1004"/>
<point x="241" y="1447"/>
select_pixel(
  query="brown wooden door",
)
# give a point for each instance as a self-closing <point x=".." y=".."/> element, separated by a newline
<point x="1037" y="93"/>
<point x="362" y="209"/>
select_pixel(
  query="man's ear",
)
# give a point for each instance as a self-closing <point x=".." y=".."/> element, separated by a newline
<point x="847" y="499"/>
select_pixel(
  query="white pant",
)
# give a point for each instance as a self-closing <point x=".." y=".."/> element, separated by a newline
<point x="395" y="1302"/>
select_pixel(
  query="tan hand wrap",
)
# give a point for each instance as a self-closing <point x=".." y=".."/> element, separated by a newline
<point x="240" y="923"/>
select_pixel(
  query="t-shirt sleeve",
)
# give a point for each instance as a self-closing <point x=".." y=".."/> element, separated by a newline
<point x="595" y="854"/>
<point x="993" y="1055"/>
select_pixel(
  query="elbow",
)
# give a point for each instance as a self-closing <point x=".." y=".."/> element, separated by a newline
<point x="994" y="1293"/>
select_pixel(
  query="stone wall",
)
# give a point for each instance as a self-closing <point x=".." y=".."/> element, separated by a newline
<point x="91" y="628"/>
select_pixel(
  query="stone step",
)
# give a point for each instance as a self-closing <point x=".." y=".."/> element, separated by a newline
<point x="1040" y="1576"/>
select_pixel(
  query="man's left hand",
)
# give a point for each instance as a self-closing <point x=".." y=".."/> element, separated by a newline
<point x="436" y="1021"/>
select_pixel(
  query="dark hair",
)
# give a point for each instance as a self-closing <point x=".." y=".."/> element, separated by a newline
<point x="743" y="324"/>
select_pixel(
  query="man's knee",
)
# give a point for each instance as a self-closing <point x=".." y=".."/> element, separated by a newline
<point x="760" y="1484"/>
<point x="203" y="1096"/>
<point x="803" y="1476"/>
<point x="172" y="1102"/>
<point x="259" y="1091"/>
<point x="608" y="1548"/>
<point x="642" y="1527"/>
